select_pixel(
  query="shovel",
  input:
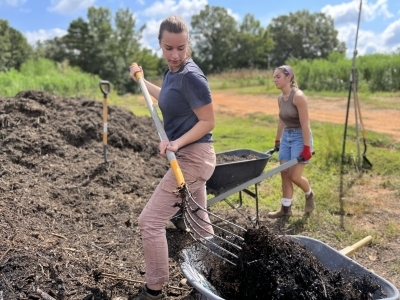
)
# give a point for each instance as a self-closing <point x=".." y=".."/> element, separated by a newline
<point x="105" y="89"/>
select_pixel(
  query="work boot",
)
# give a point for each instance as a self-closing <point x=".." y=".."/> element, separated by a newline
<point x="310" y="204"/>
<point x="144" y="295"/>
<point x="180" y="224"/>
<point x="284" y="211"/>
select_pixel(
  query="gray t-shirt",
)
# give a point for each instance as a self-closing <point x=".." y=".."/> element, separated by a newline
<point x="181" y="92"/>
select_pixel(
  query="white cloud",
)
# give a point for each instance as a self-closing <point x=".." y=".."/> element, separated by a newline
<point x="348" y="12"/>
<point x="391" y="36"/>
<point x="70" y="6"/>
<point x="41" y="35"/>
<point x="150" y="35"/>
<point x="369" y="42"/>
<point x="13" y="2"/>
<point x="183" y="8"/>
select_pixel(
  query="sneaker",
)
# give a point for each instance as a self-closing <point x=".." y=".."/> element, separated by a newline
<point x="144" y="295"/>
<point x="310" y="204"/>
<point x="284" y="211"/>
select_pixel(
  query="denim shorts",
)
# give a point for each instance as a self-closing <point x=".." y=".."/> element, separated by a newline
<point x="292" y="144"/>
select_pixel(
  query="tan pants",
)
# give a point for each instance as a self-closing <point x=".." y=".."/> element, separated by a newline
<point x="197" y="162"/>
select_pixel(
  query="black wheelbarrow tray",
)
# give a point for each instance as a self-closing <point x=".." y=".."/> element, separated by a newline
<point x="230" y="174"/>
<point x="194" y="270"/>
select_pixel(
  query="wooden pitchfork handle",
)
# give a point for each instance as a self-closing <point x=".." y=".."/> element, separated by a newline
<point x="160" y="129"/>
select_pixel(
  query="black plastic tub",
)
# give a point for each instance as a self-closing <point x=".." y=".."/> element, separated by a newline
<point x="231" y="174"/>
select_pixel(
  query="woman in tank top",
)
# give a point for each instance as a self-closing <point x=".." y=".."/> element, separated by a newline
<point x="293" y="139"/>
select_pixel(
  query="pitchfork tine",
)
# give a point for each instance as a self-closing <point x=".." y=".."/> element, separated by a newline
<point x="214" y="235"/>
<point x="215" y="226"/>
<point x="188" y="216"/>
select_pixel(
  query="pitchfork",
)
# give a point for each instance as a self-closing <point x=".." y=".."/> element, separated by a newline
<point x="223" y="245"/>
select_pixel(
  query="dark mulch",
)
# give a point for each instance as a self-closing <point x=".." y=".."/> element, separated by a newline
<point x="271" y="266"/>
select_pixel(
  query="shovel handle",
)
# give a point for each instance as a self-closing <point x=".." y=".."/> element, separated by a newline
<point x="160" y="129"/>
<point x="105" y="89"/>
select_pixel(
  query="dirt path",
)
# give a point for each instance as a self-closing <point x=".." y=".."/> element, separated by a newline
<point x="331" y="110"/>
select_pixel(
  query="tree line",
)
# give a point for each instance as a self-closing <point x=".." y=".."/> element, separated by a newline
<point x="104" y="45"/>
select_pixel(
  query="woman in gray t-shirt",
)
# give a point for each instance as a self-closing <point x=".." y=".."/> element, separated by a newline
<point x="188" y="116"/>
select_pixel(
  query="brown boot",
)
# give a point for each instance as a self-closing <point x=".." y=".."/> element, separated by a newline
<point x="144" y="295"/>
<point x="179" y="222"/>
<point x="310" y="204"/>
<point x="284" y="211"/>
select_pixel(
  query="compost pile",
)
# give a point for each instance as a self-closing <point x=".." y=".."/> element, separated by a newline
<point x="277" y="267"/>
<point x="68" y="219"/>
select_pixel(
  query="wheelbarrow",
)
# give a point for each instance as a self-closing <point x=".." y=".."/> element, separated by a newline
<point x="194" y="268"/>
<point x="236" y="177"/>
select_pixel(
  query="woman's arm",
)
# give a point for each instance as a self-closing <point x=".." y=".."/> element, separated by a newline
<point x="153" y="90"/>
<point x="300" y="101"/>
<point x="281" y="125"/>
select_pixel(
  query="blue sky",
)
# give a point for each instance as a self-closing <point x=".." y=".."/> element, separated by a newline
<point x="379" y="26"/>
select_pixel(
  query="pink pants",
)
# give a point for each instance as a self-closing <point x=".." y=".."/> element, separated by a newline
<point x="197" y="162"/>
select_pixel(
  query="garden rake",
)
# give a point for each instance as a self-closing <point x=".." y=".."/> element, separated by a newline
<point x="225" y="244"/>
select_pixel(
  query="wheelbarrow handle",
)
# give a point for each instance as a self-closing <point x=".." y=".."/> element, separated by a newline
<point x="270" y="151"/>
<point x="160" y="129"/>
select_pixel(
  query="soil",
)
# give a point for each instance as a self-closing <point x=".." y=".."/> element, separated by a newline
<point x="69" y="207"/>
<point x="223" y="158"/>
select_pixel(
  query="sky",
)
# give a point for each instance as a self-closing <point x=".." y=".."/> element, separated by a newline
<point x="379" y="28"/>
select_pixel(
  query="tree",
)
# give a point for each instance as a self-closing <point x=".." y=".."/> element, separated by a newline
<point x="80" y="46"/>
<point x="304" y="36"/>
<point x="253" y="44"/>
<point x="215" y="34"/>
<point x="14" y="48"/>
<point x="102" y="45"/>
<point x="53" y="49"/>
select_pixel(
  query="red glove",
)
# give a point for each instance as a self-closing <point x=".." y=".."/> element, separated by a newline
<point x="306" y="153"/>
<point x="277" y="145"/>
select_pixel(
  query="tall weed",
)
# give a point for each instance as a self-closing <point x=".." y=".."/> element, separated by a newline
<point x="49" y="76"/>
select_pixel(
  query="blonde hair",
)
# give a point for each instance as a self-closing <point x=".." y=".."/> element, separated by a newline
<point x="288" y="71"/>
<point x="175" y="24"/>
